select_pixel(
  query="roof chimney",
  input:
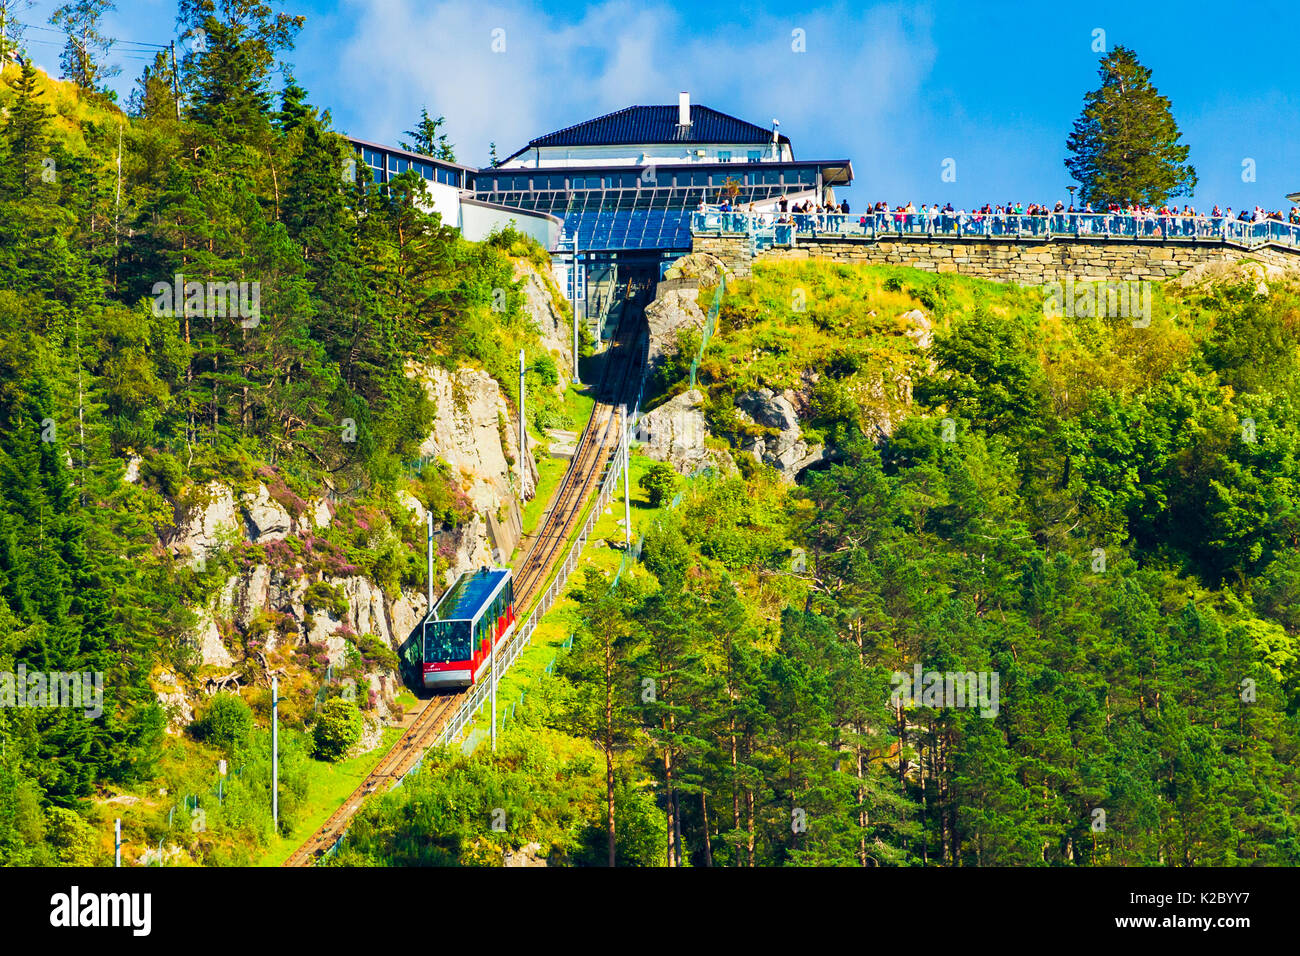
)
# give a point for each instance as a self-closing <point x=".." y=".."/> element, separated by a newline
<point x="683" y="109"/>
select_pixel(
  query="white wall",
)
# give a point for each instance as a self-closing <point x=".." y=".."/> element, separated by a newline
<point x="553" y="156"/>
<point x="477" y="222"/>
<point x="445" y="202"/>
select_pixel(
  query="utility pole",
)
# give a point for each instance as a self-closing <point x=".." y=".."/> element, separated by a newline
<point x="627" y="488"/>
<point x="176" y="83"/>
<point x="117" y="842"/>
<point x="430" y="609"/>
<point x="522" y="436"/>
<point x="275" y="753"/>
<point x="117" y="210"/>
<point x="576" y="380"/>
<point x="493" y="653"/>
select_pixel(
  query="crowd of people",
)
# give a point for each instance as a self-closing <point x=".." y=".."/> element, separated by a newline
<point x="1018" y="219"/>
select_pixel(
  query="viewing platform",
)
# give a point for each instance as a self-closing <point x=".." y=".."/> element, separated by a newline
<point x="1026" y="250"/>
<point x="786" y="229"/>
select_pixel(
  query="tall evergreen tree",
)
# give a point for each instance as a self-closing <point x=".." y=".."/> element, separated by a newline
<point x="83" y="54"/>
<point x="428" y="138"/>
<point x="1125" y="144"/>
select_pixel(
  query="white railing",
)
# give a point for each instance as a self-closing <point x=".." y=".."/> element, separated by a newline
<point x="782" y="228"/>
<point x="508" y="654"/>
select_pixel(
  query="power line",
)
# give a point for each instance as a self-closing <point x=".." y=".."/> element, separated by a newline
<point x="111" y="41"/>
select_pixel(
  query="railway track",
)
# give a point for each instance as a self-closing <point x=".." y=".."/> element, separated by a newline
<point x="599" y="439"/>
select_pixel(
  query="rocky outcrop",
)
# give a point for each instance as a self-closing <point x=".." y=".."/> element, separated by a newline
<point x="473" y="432"/>
<point x="677" y="303"/>
<point x="705" y="268"/>
<point x="265" y="519"/>
<point x="552" y="325"/>
<point x="675" y="432"/>
<point x="214" y="519"/>
<point x="527" y="855"/>
<point x="783" y="447"/>
<point x="207" y="638"/>
<point x="221" y="518"/>
<point x="173" y="700"/>
<point x="1211" y="275"/>
<point x="465" y="547"/>
<point x="918" y="328"/>
<point x="672" y="311"/>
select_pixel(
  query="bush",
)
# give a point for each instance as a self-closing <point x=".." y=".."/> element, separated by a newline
<point x="659" y="482"/>
<point x="337" y="728"/>
<point x="227" y="723"/>
<point x="164" y="473"/>
<point x="326" y="597"/>
<point x="73" y="840"/>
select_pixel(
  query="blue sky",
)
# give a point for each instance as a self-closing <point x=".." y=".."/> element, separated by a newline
<point x="896" y="88"/>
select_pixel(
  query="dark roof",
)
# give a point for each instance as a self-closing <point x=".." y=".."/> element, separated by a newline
<point x="407" y="154"/>
<point x="657" y="124"/>
<point x="466" y="597"/>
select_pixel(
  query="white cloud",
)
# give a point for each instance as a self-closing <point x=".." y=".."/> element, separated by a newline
<point x="852" y="89"/>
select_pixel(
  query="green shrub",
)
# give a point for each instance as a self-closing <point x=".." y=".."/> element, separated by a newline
<point x="326" y="597"/>
<point x="659" y="483"/>
<point x="227" y="723"/>
<point x="337" y="728"/>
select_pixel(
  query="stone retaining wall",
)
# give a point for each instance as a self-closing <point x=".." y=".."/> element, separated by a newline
<point x="1026" y="262"/>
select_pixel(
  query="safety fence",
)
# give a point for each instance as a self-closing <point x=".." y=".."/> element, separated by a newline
<point x="781" y="229"/>
<point x="523" y="635"/>
<point x="192" y="805"/>
<point x="710" y="323"/>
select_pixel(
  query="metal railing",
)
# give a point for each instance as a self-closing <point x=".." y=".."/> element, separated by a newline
<point x="885" y="225"/>
<point x="469" y="707"/>
<point x="710" y="323"/>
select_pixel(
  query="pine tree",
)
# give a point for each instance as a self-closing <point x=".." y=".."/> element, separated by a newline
<point x="1124" y="145"/>
<point x="153" y="97"/>
<point x="12" y="28"/>
<point x="26" y="135"/>
<point x="86" y="47"/>
<point x="428" y="139"/>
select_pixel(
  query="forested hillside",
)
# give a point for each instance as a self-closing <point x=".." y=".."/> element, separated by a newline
<point x="1102" y="514"/>
<point x="119" y="409"/>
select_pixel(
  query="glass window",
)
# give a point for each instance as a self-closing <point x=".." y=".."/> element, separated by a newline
<point x="724" y="155"/>
<point x="446" y="641"/>
<point x="755" y="156"/>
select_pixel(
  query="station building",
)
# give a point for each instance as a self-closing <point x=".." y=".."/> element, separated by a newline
<point x="617" y="191"/>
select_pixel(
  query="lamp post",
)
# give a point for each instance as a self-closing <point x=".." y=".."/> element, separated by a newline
<point x="275" y="754"/>
<point x="523" y="440"/>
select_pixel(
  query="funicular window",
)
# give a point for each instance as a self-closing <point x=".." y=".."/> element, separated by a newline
<point x="447" y="641"/>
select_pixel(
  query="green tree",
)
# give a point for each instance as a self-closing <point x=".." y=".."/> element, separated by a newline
<point x="1125" y="144"/>
<point x="428" y="138"/>
<point x="228" y="723"/>
<point x="73" y="840"/>
<point x="337" y="728"/>
<point x="83" y="54"/>
<point x="659" y="482"/>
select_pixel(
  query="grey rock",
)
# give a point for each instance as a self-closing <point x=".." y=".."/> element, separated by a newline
<point x="786" y="450"/>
